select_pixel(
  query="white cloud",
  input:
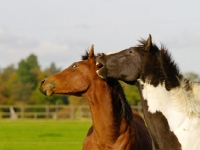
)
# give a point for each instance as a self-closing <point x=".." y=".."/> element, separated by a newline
<point x="14" y="48"/>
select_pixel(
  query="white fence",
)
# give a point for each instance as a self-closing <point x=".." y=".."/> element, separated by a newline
<point x="48" y="112"/>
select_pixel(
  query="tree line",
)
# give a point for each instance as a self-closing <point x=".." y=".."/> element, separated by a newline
<point x="20" y="85"/>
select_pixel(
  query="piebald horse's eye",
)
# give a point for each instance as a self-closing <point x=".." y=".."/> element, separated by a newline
<point x="130" y="51"/>
<point x="74" y="66"/>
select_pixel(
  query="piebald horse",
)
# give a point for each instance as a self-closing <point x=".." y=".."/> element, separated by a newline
<point x="115" y="126"/>
<point x="171" y="103"/>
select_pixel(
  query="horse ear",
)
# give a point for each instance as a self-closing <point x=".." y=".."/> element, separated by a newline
<point x="148" y="43"/>
<point x="91" y="52"/>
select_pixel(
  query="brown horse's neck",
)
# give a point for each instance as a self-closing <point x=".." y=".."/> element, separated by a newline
<point x="106" y="109"/>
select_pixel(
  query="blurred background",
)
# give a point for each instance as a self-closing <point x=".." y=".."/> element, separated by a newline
<point x="41" y="37"/>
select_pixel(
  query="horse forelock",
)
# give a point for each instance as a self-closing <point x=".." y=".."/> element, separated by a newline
<point x="85" y="56"/>
<point x="142" y="45"/>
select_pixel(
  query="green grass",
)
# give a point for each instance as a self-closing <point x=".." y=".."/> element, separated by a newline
<point x="42" y="135"/>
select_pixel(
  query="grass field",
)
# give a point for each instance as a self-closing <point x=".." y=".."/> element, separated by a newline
<point x="42" y="135"/>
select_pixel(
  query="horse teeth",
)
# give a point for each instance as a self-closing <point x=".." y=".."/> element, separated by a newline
<point x="97" y="64"/>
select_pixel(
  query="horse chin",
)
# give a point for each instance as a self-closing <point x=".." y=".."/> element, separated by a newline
<point x="49" y="93"/>
<point x="101" y="73"/>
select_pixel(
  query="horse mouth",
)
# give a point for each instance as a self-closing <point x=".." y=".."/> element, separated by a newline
<point x="47" y="92"/>
<point x="46" y="89"/>
<point x="99" y="65"/>
<point x="101" y="70"/>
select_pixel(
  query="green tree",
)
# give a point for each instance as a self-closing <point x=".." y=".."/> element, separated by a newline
<point x="27" y="71"/>
<point x="192" y="76"/>
<point x="9" y="83"/>
<point x="21" y="93"/>
<point x="7" y="72"/>
<point x="52" y="69"/>
<point x="2" y="92"/>
<point x="21" y="85"/>
<point x="132" y="93"/>
<point x="8" y="79"/>
<point x="32" y="62"/>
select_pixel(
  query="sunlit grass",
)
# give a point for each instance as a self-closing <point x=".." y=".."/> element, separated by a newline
<point x="42" y="135"/>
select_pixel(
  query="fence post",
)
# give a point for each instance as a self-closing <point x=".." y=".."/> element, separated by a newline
<point x="47" y="112"/>
<point x="56" y="111"/>
<point x="22" y="110"/>
<point x="81" y="113"/>
<point x="72" y="112"/>
<point x="76" y="112"/>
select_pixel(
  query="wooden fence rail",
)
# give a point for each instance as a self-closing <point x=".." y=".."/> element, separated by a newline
<point x="48" y="112"/>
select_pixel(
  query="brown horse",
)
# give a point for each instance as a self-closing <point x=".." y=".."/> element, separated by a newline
<point x="171" y="104"/>
<point x="115" y="126"/>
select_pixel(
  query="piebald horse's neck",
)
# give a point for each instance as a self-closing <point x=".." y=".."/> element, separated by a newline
<point x="176" y="112"/>
<point x="161" y="115"/>
<point x="106" y="110"/>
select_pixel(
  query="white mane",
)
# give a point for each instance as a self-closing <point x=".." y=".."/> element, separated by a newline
<point x="187" y="97"/>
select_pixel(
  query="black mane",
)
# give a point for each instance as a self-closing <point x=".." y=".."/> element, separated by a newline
<point x="118" y="92"/>
<point x="160" y="66"/>
<point x="85" y="56"/>
<point x="117" y="89"/>
<point x="171" y="69"/>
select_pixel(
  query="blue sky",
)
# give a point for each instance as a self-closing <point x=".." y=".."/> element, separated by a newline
<point x="61" y="30"/>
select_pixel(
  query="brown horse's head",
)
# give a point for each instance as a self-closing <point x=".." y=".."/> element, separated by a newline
<point x="123" y="65"/>
<point x="114" y="126"/>
<point x="74" y="80"/>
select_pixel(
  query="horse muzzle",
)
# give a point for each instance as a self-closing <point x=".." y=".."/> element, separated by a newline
<point x="45" y="88"/>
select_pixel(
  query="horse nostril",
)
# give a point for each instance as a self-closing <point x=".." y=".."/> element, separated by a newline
<point x="42" y="81"/>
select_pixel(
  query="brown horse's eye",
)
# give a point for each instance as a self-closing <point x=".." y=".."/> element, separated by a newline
<point x="130" y="51"/>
